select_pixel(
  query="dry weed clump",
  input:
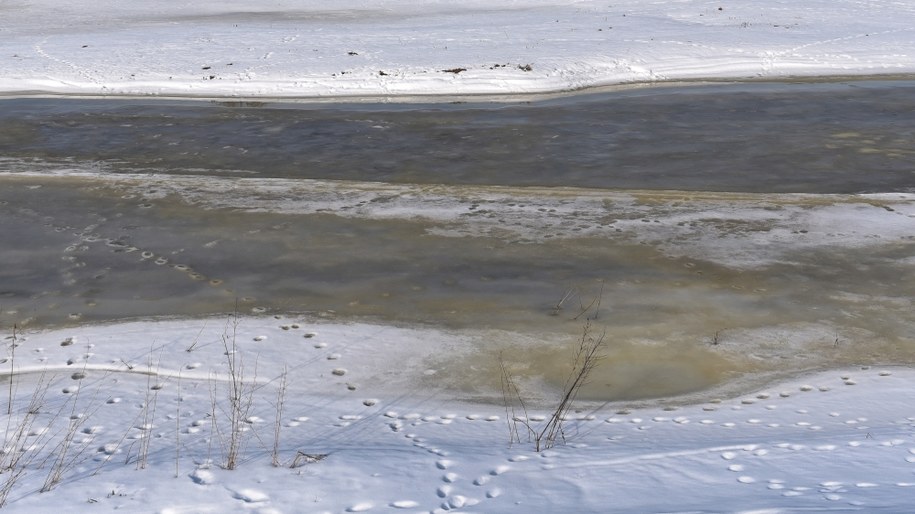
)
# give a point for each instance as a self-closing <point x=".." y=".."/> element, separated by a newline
<point x="586" y="357"/>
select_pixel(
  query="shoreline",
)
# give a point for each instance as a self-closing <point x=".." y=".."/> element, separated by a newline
<point x="409" y="346"/>
<point x="464" y="98"/>
<point x="408" y="444"/>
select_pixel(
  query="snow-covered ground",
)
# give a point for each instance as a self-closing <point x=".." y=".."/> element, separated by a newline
<point x="135" y="416"/>
<point x="372" y="48"/>
<point x="138" y="414"/>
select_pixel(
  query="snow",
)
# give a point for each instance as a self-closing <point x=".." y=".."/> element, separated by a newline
<point x="375" y="48"/>
<point x="380" y="438"/>
<point x="135" y="416"/>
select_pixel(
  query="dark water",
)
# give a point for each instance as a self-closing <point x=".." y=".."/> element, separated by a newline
<point x="424" y="214"/>
<point x="815" y="138"/>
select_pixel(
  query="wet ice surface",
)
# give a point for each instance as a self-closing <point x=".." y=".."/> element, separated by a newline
<point x="695" y="287"/>
<point x="683" y="303"/>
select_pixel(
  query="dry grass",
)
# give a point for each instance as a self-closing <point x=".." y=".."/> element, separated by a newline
<point x="235" y="409"/>
<point x="278" y="418"/>
<point x="16" y="456"/>
<point x="586" y="357"/>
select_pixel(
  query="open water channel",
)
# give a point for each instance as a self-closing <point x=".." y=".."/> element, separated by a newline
<point x="713" y="232"/>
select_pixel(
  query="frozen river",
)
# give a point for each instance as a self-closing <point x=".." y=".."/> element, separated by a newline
<point x="801" y="138"/>
<point x="712" y="230"/>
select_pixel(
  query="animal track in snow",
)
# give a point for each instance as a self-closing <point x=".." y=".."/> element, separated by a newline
<point x="501" y="469"/>
<point x="202" y="477"/>
<point x="360" y="507"/>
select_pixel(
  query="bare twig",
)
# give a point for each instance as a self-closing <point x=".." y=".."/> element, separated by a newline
<point x="13" y="344"/>
<point x="190" y="348"/>
<point x="586" y="358"/>
<point x="595" y="303"/>
<point x="178" y="427"/>
<point x="558" y="307"/>
<point x="510" y="395"/>
<point x="278" y="421"/>
<point x="149" y="413"/>
<point x="67" y="457"/>
<point x="14" y="456"/>
<point x="240" y="398"/>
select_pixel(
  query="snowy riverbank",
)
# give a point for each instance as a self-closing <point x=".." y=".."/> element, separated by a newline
<point x="130" y="409"/>
<point x="382" y="49"/>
